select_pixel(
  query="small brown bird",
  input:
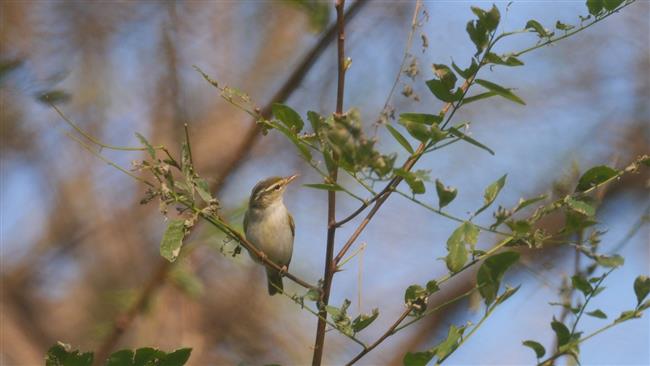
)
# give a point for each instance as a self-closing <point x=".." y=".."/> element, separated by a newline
<point x="269" y="226"/>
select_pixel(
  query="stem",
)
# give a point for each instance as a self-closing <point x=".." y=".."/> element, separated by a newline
<point x="330" y="265"/>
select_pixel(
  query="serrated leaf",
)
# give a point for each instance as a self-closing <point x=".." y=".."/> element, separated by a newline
<point x="489" y="275"/>
<point x="612" y="4"/>
<point x="418" y="358"/>
<point x="500" y="90"/>
<point x="641" y="288"/>
<point x="456" y="132"/>
<point x="491" y="193"/>
<point x="172" y="240"/>
<point x="120" y="358"/>
<point x="324" y="186"/>
<point x="440" y="90"/>
<point x="597" y="314"/>
<point x="445" y="194"/>
<point x="62" y="355"/>
<point x="595" y="7"/>
<point x="595" y="176"/>
<point x="580" y="207"/>
<point x="400" y="139"/>
<point x="427" y="119"/>
<point x="581" y="284"/>
<point x="364" y="320"/>
<point x="147" y="145"/>
<point x="288" y="116"/>
<point x="539" y="350"/>
<point x="176" y="358"/>
<point x="561" y="332"/>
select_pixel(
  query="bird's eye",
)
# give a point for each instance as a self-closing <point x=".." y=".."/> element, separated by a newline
<point x="277" y="187"/>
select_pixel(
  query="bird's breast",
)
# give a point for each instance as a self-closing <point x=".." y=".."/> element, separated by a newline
<point x="269" y="230"/>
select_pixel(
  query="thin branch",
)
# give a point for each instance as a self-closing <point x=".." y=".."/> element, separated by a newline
<point x="330" y="265"/>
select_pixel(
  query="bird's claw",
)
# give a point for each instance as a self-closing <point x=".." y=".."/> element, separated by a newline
<point x="283" y="270"/>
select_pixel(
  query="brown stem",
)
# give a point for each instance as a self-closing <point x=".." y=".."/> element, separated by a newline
<point x="330" y="266"/>
<point x="122" y="322"/>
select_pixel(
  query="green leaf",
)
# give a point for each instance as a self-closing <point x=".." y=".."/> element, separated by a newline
<point x="489" y="275"/>
<point x="146" y="356"/>
<point x="641" y="288"/>
<point x="440" y="90"/>
<point x="504" y="92"/>
<point x="414" y="181"/>
<point x="523" y="203"/>
<point x="400" y="138"/>
<point x="427" y="119"/>
<point x="609" y="261"/>
<point x="509" y="291"/>
<point x="61" y="354"/>
<point x="172" y="240"/>
<point x="561" y="332"/>
<point x="645" y="305"/>
<point x="446" y="76"/>
<point x="539" y="350"/>
<point x="612" y="4"/>
<point x="176" y="358"/>
<point x="315" y="120"/>
<point x="146" y="144"/>
<point x="537" y="27"/>
<point x="456" y="132"/>
<point x="595" y="6"/>
<point x="120" y="358"/>
<point x="364" y="320"/>
<point x="478" y="97"/>
<point x="595" y="176"/>
<point x="627" y="315"/>
<point x="288" y="116"/>
<point x="432" y="286"/>
<point x="505" y="60"/>
<point x="203" y="189"/>
<point x="580" y="207"/>
<point x="561" y="26"/>
<point x="445" y="194"/>
<point x="324" y="186"/>
<point x="468" y="72"/>
<point x="418" y="358"/>
<point x="446" y="347"/>
<point x="302" y="148"/>
<point x="581" y="284"/>
<point x="491" y="193"/>
<point x="465" y="234"/>
<point x="597" y="314"/>
<point x="414" y="293"/>
<point x="418" y="130"/>
<point x="478" y="34"/>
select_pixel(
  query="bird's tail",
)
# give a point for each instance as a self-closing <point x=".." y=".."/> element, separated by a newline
<point x="274" y="281"/>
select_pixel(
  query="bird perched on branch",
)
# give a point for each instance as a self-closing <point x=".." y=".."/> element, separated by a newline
<point x="269" y="226"/>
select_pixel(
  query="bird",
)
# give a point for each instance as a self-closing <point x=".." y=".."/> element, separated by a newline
<point x="269" y="226"/>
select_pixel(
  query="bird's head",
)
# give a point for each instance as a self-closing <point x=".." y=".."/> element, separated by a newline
<point x="269" y="191"/>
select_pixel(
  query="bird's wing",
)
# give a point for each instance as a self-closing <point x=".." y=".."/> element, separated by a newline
<point x="292" y="225"/>
<point x="245" y="222"/>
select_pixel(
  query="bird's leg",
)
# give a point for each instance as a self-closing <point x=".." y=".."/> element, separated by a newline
<point x="283" y="270"/>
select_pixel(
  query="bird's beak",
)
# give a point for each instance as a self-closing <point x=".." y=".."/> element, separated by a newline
<point x="290" y="179"/>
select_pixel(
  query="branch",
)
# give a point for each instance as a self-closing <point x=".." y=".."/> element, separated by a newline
<point x="330" y="265"/>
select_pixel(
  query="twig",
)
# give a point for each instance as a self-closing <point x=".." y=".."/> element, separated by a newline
<point x="330" y="265"/>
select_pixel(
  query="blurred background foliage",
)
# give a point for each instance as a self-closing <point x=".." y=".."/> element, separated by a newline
<point x="78" y="249"/>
